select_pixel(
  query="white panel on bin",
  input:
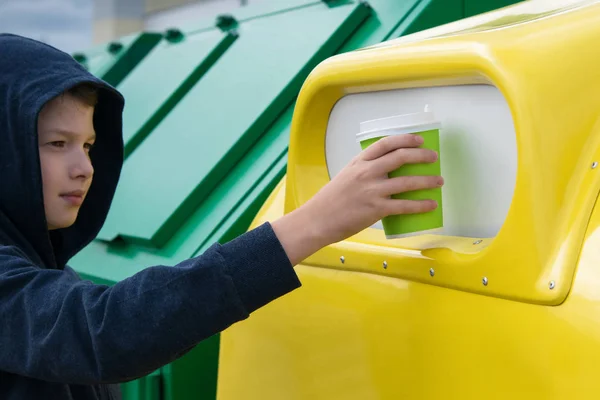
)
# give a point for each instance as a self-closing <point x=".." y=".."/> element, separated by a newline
<point x="478" y="148"/>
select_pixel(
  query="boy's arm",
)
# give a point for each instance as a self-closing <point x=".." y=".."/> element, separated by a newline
<point x="358" y="197"/>
<point x="57" y="328"/>
<point x="60" y="329"/>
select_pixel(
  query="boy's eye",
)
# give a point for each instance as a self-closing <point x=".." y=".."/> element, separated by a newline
<point x="88" y="146"/>
<point x="58" y="143"/>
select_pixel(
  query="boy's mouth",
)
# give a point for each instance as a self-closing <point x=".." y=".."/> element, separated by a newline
<point x="74" y="198"/>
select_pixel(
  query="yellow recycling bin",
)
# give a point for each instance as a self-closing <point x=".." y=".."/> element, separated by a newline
<point x="504" y="302"/>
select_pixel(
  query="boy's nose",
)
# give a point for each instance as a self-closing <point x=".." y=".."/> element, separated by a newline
<point x="82" y="167"/>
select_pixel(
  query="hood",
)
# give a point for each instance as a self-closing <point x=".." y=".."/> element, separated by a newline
<point x="31" y="74"/>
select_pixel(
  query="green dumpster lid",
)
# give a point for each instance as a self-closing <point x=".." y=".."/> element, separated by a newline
<point x="195" y="146"/>
<point x="158" y="83"/>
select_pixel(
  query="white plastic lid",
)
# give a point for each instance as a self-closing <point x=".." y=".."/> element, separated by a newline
<point x="397" y="124"/>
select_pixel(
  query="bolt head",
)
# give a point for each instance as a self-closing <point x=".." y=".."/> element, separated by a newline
<point x="80" y="57"/>
<point x="594" y="164"/>
<point x="342" y="259"/>
<point x="478" y="241"/>
<point x="431" y="272"/>
<point x="484" y="281"/>
<point x="385" y="265"/>
<point x="552" y="285"/>
<point x="114" y="47"/>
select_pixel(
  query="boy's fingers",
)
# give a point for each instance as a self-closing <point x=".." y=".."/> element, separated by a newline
<point x="404" y="184"/>
<point x="389" y="144"/>
<point x="399" y="157"/>
<point x="399" y="207"/>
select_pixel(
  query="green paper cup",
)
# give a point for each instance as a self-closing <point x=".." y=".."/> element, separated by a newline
<point x="424" y="125"/>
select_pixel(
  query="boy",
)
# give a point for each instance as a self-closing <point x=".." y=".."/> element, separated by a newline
<point x="61" y="153"/>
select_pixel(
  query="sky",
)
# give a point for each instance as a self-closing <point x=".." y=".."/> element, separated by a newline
<point x="65" y="24"/>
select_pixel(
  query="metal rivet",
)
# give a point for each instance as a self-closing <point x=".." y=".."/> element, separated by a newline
<point x="385" y="265"/>
<point x="477" y="242"/>
<point x="226" y="22"/>
<point x="114" y="47"/>
<point x="484" y="281"/>
<point x="431" y="272"/>
<point x="594" y="164"/>
<point x="173" y="35"/>
<point x="80" y="57"/>
<point x="552" y="285"/>
<point x="342" y="259"/>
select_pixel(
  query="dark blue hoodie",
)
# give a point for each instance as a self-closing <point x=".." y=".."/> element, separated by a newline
<point x="64" y="338"/>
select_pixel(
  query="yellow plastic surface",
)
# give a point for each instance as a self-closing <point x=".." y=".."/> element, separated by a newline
<point x="358" y="331"/>
<point x="551" y="87"/>
<point x="360" y="336"/>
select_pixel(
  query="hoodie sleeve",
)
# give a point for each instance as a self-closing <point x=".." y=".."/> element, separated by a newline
<point x="58" y="328"/>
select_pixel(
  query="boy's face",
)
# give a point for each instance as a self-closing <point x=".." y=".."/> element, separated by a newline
<point x="65" y="136"/>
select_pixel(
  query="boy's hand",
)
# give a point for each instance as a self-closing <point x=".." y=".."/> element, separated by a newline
<point x="358" y="197"/>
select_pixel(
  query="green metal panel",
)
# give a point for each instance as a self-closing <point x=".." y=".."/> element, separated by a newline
<point x="194" y="376"/>
<point x="428" y="14"/>
<point x="474" y="7"/>
<point x="218" y="120"/>
<point x="146" y="388"/>
<point x="113" y="61"/>
<point x="385" y="17"/>
<point x="230" y="208"/>
<point x="148" y="103"/>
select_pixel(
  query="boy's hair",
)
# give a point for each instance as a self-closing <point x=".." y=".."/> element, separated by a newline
<point x="87" y="93"/>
